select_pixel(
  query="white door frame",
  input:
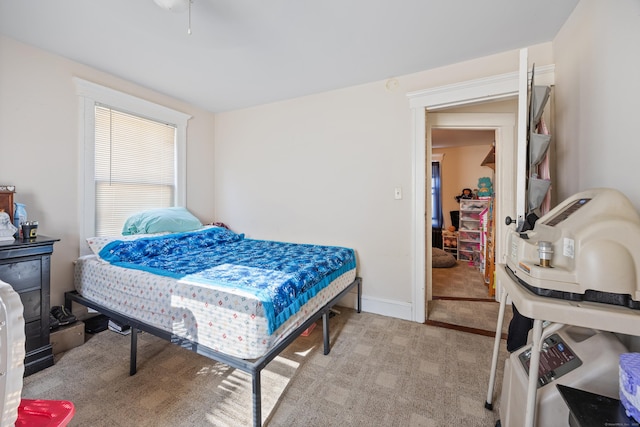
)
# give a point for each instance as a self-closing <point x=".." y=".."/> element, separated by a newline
<point x="431" y="100"/>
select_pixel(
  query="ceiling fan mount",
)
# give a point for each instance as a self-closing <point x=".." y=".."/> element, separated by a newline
<point x="176" y="6"/>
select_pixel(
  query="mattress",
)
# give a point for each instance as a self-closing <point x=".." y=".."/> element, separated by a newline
<point x="220" y="317"/>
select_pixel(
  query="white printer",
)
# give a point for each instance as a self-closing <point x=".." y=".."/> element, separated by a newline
<point x="586" y="249"/>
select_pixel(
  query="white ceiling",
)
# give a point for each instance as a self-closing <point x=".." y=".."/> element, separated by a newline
<point x="243" y="53"/>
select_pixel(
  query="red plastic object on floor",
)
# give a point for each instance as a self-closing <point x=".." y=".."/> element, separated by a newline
<point x="307" y="331"/>
<point x="44" y="413"/>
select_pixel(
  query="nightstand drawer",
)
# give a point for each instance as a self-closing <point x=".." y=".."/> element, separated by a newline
<point x="23" y="275"/>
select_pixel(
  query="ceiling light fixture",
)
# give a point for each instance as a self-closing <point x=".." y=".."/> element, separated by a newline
<point x="176" y="6"/>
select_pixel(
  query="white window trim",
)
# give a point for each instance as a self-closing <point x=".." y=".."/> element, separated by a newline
<point x="91" y="93"/>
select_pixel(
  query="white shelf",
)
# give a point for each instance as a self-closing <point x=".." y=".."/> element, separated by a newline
<point x="469" y="229"/>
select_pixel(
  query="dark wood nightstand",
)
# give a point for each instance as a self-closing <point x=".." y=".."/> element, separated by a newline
<point x="25" y="264"/>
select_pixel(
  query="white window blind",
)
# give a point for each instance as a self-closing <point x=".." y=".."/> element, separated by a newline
<point x="135" y="167"/>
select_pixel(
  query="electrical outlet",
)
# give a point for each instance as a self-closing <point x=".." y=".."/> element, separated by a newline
<point x="397" y="194"/>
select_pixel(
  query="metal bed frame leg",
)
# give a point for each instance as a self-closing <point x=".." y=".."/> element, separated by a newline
<point x="257" y="399"/>
<point x="134" y="351"/>
<point x="325" y="332"/>
<point x="325" y="318"/>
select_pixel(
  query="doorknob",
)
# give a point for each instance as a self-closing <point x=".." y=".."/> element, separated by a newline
<point x="508" y="220"/>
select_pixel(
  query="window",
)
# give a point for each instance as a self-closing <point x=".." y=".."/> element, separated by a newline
<point x="134" y="167"/>
<point x="436" y="197"/>
<point x="132" y="158"/>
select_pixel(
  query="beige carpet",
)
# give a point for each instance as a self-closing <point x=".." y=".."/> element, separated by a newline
<point x="461" y="280"/>
<point x="381" y="372"/>
<point x="461" y="298"/>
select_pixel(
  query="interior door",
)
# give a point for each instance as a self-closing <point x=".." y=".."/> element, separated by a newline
<point x="543" y="76"/>
<point x="521" y="146"/>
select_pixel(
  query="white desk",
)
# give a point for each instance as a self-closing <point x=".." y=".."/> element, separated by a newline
<point x="604" y="317"/>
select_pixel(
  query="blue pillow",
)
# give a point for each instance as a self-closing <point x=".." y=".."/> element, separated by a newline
<point x="161" y="220"/>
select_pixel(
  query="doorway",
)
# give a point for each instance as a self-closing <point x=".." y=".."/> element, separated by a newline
<point x="503" y="124"/>
<point x="510" y="162"/>
<point x="462" y="292"/>
<point x="429" y="101"/>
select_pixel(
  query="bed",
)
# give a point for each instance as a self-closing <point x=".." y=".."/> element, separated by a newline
<point x="238" y="301"/>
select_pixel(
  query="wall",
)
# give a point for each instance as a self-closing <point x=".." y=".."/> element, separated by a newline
<point x="323" y="168"/>
<point x="597" y="101"/>
<point x="598" y="98"/>
<point x="319" y="169"/>
<point x="453" y="189"/>
<point x="40" y="146"/>
<point x="460" y="168"/>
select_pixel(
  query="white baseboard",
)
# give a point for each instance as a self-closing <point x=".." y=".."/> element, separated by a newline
<point x="391" y="308"/>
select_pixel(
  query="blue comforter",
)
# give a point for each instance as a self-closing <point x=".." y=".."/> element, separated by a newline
<point x="283" y="276"/>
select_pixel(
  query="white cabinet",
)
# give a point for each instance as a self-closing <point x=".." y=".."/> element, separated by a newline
<point x="470" y="230"/>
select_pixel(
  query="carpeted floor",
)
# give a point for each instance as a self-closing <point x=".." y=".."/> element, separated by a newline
<point x="462" y="280"/>
<point x="461" y="298"/>
<point x="381" y="371"/>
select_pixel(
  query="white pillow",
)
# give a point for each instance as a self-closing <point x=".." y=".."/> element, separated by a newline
<point x="97" y="243"/>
